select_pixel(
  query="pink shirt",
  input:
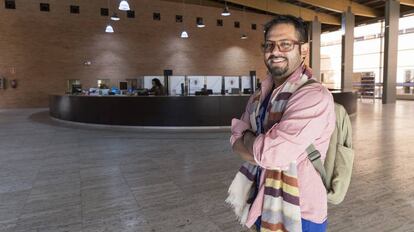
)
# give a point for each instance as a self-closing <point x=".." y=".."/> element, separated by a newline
<point x="309" y="118"/>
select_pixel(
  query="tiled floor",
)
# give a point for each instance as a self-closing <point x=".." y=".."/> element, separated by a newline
<point x="60" y="177"/>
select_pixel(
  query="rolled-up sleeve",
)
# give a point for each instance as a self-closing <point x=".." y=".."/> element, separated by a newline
<point x="307" y="116"/>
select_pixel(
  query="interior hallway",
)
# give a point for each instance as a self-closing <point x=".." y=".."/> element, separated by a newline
<point x="61" y="177"/>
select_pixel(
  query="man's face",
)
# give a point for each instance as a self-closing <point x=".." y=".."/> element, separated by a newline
<point x="282" y="63"/>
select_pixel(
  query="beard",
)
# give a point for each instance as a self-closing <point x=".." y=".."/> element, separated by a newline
<point x="277" y="71"/>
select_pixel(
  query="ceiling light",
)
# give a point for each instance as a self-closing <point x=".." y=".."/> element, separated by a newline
<point x="109" y="29"/>
<point x="123" y="5"/>
<point x="225" y="12"/>
<point x="244" y="36"/>
<point x="184" y="35"/>
<point x="115" y="17"/>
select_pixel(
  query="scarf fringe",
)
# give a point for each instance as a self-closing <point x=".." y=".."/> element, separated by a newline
<point x="241" y="211"/>
<point x="239" y="191"/>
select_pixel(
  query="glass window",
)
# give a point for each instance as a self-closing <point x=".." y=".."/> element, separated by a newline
<point x="195" y="83"/>
<point x="175" y="83"/>
<point x="214" y="83"/>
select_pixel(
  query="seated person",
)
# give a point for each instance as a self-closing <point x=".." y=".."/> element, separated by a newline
<point x="157" y="87"/>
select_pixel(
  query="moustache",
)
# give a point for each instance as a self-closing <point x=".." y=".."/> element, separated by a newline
<point x="276" y="57"/>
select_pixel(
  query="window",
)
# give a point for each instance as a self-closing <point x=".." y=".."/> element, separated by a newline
<point x="156" y="16"/>
<point x="130" y="14"/>
<point x="237" y="24"/>
<point x="44" y="7"/>
<point x="178" y="18"/>
<point x="10" y="4"/>
<point x="219" y="22"/>
<point x="74" y="9"/>
<point x="253" y="26"/>
<point x="104" y="12"/>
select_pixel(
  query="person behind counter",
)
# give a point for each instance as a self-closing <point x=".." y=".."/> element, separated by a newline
<point x="157" y="87"/>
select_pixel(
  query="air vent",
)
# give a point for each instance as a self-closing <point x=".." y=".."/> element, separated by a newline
<point x="10" y="4"/>
<point x="44" y="7"/>
<point x="199" y="21"/>
<point x="130" y="14"/>
<point x="156" y="16"/>
<point x="178" y="18"/>
<point x="104" y="12"/>
<point x="237" y="24"/>
<point x="74" y="9"/>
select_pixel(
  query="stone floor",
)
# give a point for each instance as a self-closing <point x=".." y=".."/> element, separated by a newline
<point x="60" y="177"/>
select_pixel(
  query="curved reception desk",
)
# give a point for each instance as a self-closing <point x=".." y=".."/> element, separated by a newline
<point x="179" y="111"/>
<point x="160" y="111"/>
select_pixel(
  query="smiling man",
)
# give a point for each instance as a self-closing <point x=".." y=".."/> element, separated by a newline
<point x="288" y="114"/>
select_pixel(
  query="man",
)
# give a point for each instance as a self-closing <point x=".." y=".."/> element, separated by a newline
<point x="308" y="118"/>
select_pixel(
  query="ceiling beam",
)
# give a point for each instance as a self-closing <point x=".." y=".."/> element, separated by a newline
<point x="407" y="2"/>
<point x="342" y="6"/>
<point x="277" y="7"/>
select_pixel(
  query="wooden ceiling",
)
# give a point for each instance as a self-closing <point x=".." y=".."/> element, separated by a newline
<point x="327" y="11"/>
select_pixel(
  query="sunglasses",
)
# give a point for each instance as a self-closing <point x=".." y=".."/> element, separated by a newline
<point x="285" y="45"/>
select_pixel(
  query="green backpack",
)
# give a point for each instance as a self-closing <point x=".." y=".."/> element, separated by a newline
<point x="337" y="170"/>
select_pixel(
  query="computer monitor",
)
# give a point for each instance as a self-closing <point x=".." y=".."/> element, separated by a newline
<point x="247" y="91"/>
<point x="235" y="91"/>
<point x="76" y="89"/>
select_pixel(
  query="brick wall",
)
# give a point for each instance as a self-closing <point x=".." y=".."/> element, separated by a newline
<point x="42" y="50"/>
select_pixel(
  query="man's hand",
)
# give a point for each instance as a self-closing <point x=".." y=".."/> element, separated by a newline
<point x="248" y="140"/>
<point x="244" y="147"/>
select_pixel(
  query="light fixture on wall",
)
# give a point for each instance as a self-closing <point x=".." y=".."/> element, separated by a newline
<point x="115" y="17"/>
<point x="184" y="34"/>
<point x="199" y="21"/>
<point x="123" y="5"/>
<point x="244" y="36"/>
<point x="226" y="11"/>
<point x="109" y="28"/>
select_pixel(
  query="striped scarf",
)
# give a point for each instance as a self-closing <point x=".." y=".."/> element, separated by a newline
<point x="280" y="210"/>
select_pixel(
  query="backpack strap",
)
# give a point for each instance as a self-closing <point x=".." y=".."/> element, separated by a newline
<point x="313" y="155"/>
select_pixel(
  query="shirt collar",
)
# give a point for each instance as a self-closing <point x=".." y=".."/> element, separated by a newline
<point x="267" y="84"/>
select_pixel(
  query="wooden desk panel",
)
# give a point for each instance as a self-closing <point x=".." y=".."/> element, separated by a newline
<point x="191" y="111"/>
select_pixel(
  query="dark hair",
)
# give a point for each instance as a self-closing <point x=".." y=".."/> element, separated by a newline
<point x="157" y="82"/>
<point x="300" y="26"/>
